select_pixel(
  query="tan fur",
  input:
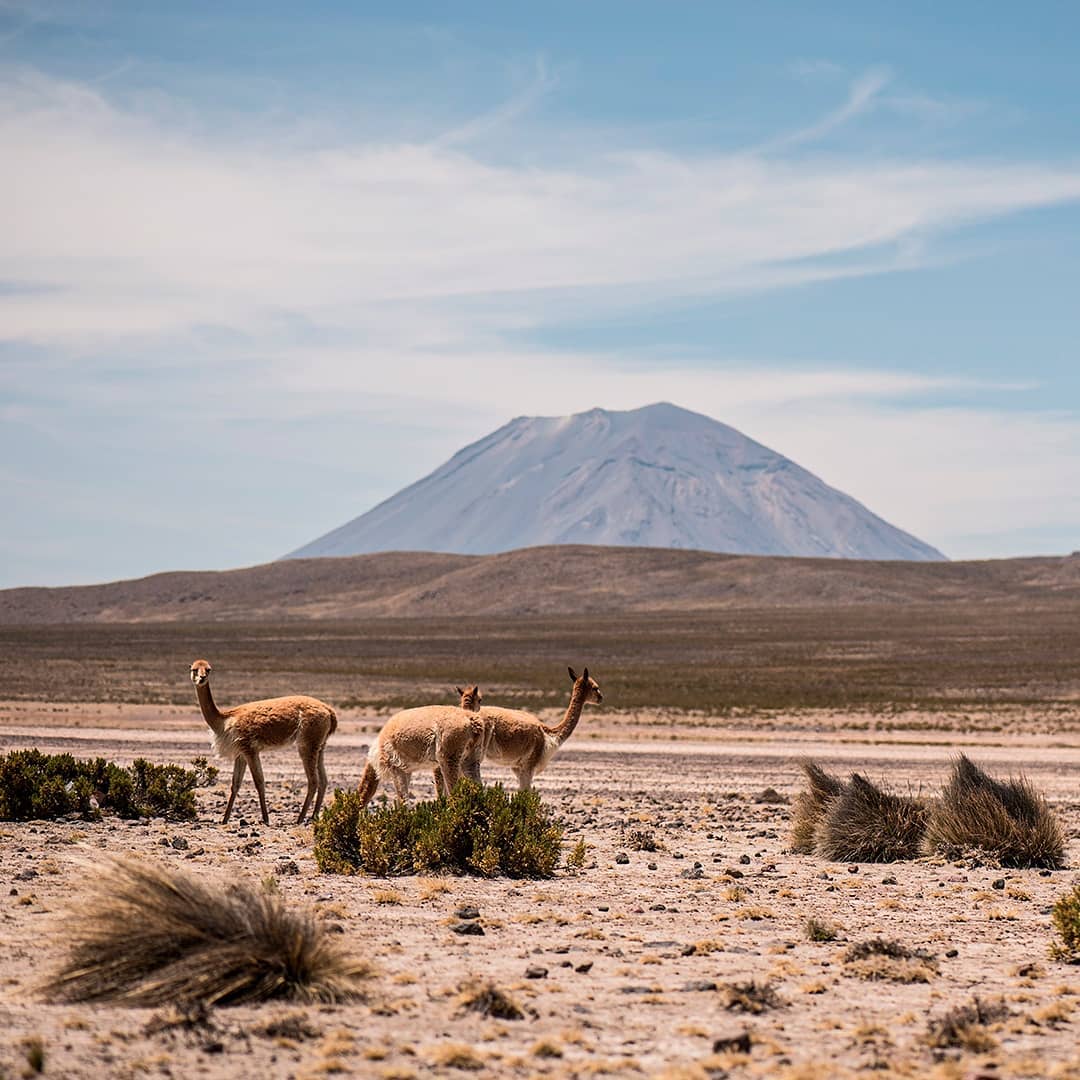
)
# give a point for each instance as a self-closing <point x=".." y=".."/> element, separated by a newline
<point x="518" y="738"/>
<point x="239" y="735"/>
<point x="451" y="738"/>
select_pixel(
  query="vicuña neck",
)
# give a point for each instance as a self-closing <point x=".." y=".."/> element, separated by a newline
<point x="564" y="730"/>
<point x="211" y="714"/>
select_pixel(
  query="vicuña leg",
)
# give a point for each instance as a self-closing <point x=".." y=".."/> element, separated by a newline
<point x="322" y="783"/>
<point x="311" y="767"/>
<point x="255" y="765"/>
<point x="239" y="765"/>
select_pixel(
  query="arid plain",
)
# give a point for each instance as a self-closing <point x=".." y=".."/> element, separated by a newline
<point x="626" y="966"/>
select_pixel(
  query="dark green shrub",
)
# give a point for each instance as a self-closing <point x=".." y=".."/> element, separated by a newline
<point x="473" y="830"/>
<point x="34" y="785"/>
<point x="1066" y="916"/>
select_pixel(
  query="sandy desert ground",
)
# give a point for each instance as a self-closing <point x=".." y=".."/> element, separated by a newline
<point x="621" y="968"/>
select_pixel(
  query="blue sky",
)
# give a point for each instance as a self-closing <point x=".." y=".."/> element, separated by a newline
<point x="260" y="270"/>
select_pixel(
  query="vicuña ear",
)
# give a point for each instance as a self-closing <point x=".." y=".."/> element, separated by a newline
<point x="573" y="674"/>
<point x="458" y="691"/>
<point x="585" y="674"/>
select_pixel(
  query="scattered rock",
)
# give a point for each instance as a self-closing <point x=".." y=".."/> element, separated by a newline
<point x="468" y="928"/>
<point x="179" y="843"/>
<point x="536" y="973"/>
<point x="699" y="985"/>
<point x="999" y="884"/>
<point x="744" y="860"/>
<point x="286" y="868"/>
<point x="584" y="969"/>
<point x="622" y="858"/>
<point x="771" y="795"/>
<point x="739" y="1043"/>
<point x="467" y="911"/>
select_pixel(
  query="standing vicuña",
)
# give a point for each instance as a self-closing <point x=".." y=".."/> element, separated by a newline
<point x="449" y="737"/>
<point x="518" y="739"/>
<point x="241" y="732"/>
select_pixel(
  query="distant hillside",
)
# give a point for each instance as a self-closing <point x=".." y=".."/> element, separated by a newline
<point x="659" y="476"/>
<point x="560" y="580"/>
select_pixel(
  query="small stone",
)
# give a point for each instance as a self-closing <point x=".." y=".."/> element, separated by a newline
<point x="652" y="866"/>
<point x="602" y="907"/>
<point x="888" y="881"/>
<point x="536" y="973"/>
<point x="468" y="928"/>
<point x="468" y="911"/>
<point x="635" y="989"/>
<point x="584" y="969"/>
<point x="286" y="868"/>
<point x="622" y="858"/>
<point x="998" y="884"/>
<point x="733" y="873"/>
<point x="740" y="1043"/>
<point x="699" y="986"/>
<point x="26" y="875"/>
<point x="694" y="873"/>
<point x="951" y="953"/>
<point x="179" y="843"/>
<point x="688" y="950"/>
<point x="744" y="860"/>
<point x="853" y="869"/>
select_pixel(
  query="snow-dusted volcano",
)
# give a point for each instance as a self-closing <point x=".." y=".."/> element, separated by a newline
<point x="659" y="476"/>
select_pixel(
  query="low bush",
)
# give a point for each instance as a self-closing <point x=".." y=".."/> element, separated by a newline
<point x="965" y="1026"/>
<point x="148" y="934"/>
<point x="35" y="786"/>
<point x="473" y="830"/>
<point x="1066" y="916"/>
<point x="810" y="805"/>
<point x="1009" y="821"/>
<point x="866" y="824"/>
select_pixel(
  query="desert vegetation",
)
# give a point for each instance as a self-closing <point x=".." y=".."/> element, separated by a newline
<point x="1066" y="918"/>
<point x="144" y="934"/>
<point x="1008" y="821"/>
<point x="34" y="785"/>
<point x="473" y="830"/>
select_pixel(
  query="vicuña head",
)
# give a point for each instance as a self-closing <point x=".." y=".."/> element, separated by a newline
<point x="471" y="698"/>
<point x="591" y="689"/>
<point x="200" y="672"/>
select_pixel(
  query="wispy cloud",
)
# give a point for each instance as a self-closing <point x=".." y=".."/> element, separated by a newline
<point x="862" y="95"/>
<point x="147" y="229"/>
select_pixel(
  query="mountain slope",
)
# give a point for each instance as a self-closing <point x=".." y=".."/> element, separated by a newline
<point x="549" y="581"/>
<point x="658" y="476"/>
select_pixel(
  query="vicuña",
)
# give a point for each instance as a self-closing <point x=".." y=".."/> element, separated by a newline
<point x="240" y="733"/>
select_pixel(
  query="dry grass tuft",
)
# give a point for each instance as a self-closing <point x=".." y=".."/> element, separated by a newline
<point x="487" y="999"/>
<point x="880" y="959"/>
<point x="1066" y="916"/>
<point x="820" y="930"/>
<point x="809" y="806"/>
<point x="965" y="1026"/>
<point x="751" y="997"/>
<point x="866" y="824"/>
<point x="456" y="1056"/>
<point x="148" y="934"/>
<point x="1007" y="820"/>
